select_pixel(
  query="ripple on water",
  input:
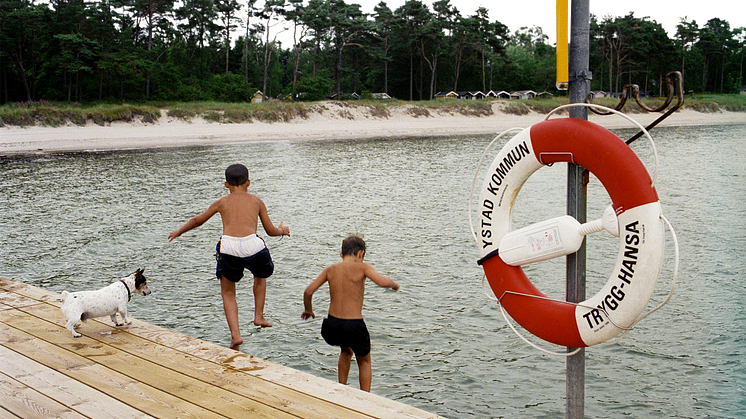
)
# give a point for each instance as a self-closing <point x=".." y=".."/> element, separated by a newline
<point x="78" y="221"/>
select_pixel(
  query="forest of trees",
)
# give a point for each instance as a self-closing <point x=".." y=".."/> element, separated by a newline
<point x="225" y="50"/>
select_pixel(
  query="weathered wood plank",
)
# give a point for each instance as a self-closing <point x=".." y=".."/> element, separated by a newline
<point x="25" y="402"/>
<point x="9" y="285"/>
<point x="348" y="396"/>
<point x="154" y="401"/>
<point x="200" y="393"/>
<point x="240" y="375"/>
<point x="75" y="395"/>
<point x="12" y="299"/>
<point x="4" y="414"/>
<point x="221" y="374"/>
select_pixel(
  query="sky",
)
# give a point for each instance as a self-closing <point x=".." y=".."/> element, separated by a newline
<point x="536" y="12"/>
<point x="542" y="13"/>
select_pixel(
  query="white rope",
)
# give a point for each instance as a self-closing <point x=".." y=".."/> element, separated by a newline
<point x="654" y="178"/>
<point x="625" y="329"/>
<point x="505" y="316"/>
<point x="673" y="283"/>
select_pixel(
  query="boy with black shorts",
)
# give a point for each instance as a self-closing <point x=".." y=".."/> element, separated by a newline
<point x="344" y="326"/>
<point x="239" y="247"/>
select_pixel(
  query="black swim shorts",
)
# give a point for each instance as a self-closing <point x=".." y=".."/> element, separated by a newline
<point x="232" y="267"/>
<point x="350" y="333"/>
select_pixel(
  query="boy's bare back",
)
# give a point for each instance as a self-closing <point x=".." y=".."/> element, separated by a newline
<point x="346" y="287"/>
<point x="240" y="212"/>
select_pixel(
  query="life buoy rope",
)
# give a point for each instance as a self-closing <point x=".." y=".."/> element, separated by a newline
<point x="618" y="305"/>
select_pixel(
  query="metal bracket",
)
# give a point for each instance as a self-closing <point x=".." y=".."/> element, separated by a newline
<point x="581" y="75"/>
<point x="675" y="86"/>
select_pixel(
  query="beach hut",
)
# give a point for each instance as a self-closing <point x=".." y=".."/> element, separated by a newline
<point x="382" y="96"/>
<point x="258" y="97"/>
<point x="470" y="94"/>
<point x="446" y="95"/>
<point x="343" y="96"/>
<point x="597" y="94"/>
<point x="502" y="94"/>
<point x="477" y="95"/>
<point x="523" y="94"/>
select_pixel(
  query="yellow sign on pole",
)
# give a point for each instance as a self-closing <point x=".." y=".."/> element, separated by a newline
<point x="562" y="67"/>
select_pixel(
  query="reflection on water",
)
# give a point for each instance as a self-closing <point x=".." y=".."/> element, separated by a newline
<point x="79" y="221"/>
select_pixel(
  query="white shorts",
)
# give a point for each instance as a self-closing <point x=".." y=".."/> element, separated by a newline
<point x="241" y="246"/>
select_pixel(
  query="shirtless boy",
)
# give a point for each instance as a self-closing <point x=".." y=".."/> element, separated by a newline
<point x="344" y="326"/>
<point x="239" y="246"/>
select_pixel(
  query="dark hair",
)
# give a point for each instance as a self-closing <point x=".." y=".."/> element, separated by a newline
<point x="352" y="245"/>
<point x="236" y="174"/>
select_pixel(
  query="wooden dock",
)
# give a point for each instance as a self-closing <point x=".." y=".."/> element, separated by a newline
<point x="144" y="371"/>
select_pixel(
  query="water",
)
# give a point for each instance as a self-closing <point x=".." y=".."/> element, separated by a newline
<point x="79" y="221"/>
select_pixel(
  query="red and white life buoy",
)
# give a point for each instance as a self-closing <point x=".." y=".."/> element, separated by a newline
<point x="629" y="288"/>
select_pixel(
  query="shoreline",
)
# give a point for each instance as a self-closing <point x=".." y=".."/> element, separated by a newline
<point x="169" y="132"/>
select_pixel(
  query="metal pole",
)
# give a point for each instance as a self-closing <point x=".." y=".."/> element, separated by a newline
<point x="577" y="181"/>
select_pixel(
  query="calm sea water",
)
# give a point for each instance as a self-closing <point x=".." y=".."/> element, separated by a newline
<point x="79" y="221"/>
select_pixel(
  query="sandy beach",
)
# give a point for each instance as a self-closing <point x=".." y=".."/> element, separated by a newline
<point x="341" y="123"/>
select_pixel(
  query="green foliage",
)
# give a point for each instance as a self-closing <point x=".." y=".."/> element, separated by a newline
<point x="187" y="92"/>
<point x="716" y="103"/>
<point x="55" y="114"/>
<point x="314" y="88"/>
<point x="139" y="50"/>
<point x="228" y="88"/>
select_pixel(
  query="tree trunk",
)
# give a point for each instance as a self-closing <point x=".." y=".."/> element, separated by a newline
<point x="267" y="56"/>
<point x="5" y="85"/>
<point x="22" y="72"/>
<point x="411" y="75"/>
<point x="386" y="65"/>
<point x="227" y="40"/>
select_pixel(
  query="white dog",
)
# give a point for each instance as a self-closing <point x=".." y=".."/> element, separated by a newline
<point x="107" y="301"/>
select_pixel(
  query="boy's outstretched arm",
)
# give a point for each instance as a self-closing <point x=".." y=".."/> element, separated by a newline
<point x="270" y="228"/>
<point x="308" y="296"/>
<point x="195" y="221"/>
<point x="380" y="280"/>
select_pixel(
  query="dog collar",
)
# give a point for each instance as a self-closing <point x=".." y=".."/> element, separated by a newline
<point x="129" y="294"/>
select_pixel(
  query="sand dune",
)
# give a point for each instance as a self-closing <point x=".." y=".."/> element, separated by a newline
<point x="334" y="123"/>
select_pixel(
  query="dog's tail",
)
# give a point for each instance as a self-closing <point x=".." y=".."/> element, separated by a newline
<point x="65" y="294"/>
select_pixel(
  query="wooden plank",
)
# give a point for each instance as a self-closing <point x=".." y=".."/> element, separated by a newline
<point x="13" y="300"/>
<point x="119" y="386"/>
<point x="39" y="294"/>
<point x="5" y="414"/>
<point x="244" y="375"/>
<point x="199" y="393"/>
<point x="221" y="374"/>
<point x="350" y="397"/>
<point x="77" y="396"/>
<point x="25" y="402"/>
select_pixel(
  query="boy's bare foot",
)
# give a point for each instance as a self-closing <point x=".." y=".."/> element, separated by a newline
<point x="262" y="322"/>
<point x="236" y="343"/>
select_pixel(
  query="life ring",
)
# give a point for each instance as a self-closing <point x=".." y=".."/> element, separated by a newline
<point x="629" y="288"/>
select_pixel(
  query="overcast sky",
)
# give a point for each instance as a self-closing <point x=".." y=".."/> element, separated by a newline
<point x="519" y="13"/>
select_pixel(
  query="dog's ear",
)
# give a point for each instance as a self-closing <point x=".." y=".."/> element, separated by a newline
<point x="140" y="270"/>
